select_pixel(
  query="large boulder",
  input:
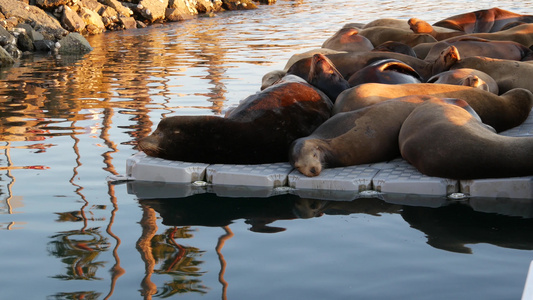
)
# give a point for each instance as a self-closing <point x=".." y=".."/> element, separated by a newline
<point x="74" y="43"/>
<point x="121" y="9"/>
<point x="5" y="58"/>
<point x="179" y="10"/>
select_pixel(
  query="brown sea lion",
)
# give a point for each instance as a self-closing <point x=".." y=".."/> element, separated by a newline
<point x="485" y="20"/>
<point x="391" y="71"/>
<point x="363" y="136"/>
<point x="501" y="112"/>
<point x="349" y="63"/>
<point x="395" y="47"/>
<point x="259" y="130"/>
<point x="380" y="34"/>
<point x="422" y="27"/>
<point x="473" y="46"/>
<point x="443" y="140"/>
<point x="308" y="54"/>
<point x="508" y="74"/>
<point x="348" y="39"/>
<point x="324" y="76"/>
<point x="387" y="22"/>
<point x="466" y="77"/>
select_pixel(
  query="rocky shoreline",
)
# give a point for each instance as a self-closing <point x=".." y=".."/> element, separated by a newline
<point x="59" y="26"/>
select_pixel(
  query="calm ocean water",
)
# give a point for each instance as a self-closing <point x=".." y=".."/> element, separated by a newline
<point x="69" y="122"/>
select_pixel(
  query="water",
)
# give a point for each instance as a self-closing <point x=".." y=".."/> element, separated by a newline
<point x="69" y="122"/>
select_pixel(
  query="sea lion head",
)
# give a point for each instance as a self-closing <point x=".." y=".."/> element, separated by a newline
<point x="307" y="157"/>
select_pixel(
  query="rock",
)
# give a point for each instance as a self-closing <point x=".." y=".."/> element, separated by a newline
<point x="74" y="43"/>
<point x="109" y="15"/>
<point x="71" y="20"/>
<point x="24" y="42"/>
<point x="34" y="35"/>
<point x="206" y="6"/>
<point x="6" y="37"/>
<point x="5" y="58"/>
<point x="186" y="6"/>
<point x="268" y="2"/>
<point x="43" y="45"/>
<point x="13" y="51"/>
<point x="238" y="4"/>
<point x="121" y="9"/>
<point x="140" y="24"/>
<point x="93" y="21"/>
<point x="153" y="10"/>
<point x="128" y="22"/>
<point x="92" y="5"/>
<point x="176" y="15"/>
<point x="47" y="25"/>
<point x="51" y="3"/>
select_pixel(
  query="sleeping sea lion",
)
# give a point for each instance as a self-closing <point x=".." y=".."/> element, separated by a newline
<point x="485" y="20"/>
<point x="391" y="71"/>
<point x="381" y="34"/>
<point x="501" y="112"/>
<point x="443" y="140"/>
<point x="466" y="77"/>
<point x="348" y="39"/>
<point x="508" y="74"/>
<point x="422" y="27"/>
<point x="395" y="47"/>
<point x="349" y="63"/>
<point x="259" y="130"/>
<point x="367" y="135"/>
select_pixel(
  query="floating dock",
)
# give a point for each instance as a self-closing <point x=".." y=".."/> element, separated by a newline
<point x="393" y="181"/>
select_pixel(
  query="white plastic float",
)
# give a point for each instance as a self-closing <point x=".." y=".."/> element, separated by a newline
<point x="395" y="181"/>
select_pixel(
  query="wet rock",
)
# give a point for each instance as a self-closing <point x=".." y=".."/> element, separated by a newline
<point x="71" y="20"/>
<point x="74" y="43"/>
<point x="238" y="4"/>
<point x="93" y="21"/>
<point x="268" y="2"/>
<point x="24" y="42"/>
<point x="121" y="9"/>
<point x="5" y="58"/>
<point x="13" y="51"/>
<point x="43" y="45"/>
<point x="6" y="37"/>
<point x="44" y="23"/>
<point x="153" y="10"/>
<point x="32" y="33"/>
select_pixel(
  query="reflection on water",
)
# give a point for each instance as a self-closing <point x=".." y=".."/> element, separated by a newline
<point x="68" y="122"/>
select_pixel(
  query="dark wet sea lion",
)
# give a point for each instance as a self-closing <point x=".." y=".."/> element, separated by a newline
<point x="349" y="63"/>
<point x="391" y="71"/>
<point x="467" y="77"/>
<point x="367" y="135"/>
<point x="485" y="20"/>
<point x="501" y="112"/>
<point x="324" y="76"/>
<point x="259" y="130"/>
<point x="348" y="39"/>
<point x="443" y="140"/>
<point x="395" y="47"/>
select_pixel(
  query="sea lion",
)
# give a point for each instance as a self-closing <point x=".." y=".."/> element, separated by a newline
<point x="473" y="46"/>
<point x="466" y="77"/>
<point x="363" y="136"/>
<point x="387" y="22"/>
<point x="348" y="39"/>
<point x="280" y="114"/>
<point x="443" y="140"/>
<point x="422" y="27"/>
<point x="391" y="71"/>
<point x="508" y="74"/>
<point x="308" y="54"/>
<point x="380" y="34"/>
<point x="395" y="47"/>
<point x="349" y="63"/>
<point x="485" y="20"/>
<point x="324" y="76"/>
<point x="501" y="112"/>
